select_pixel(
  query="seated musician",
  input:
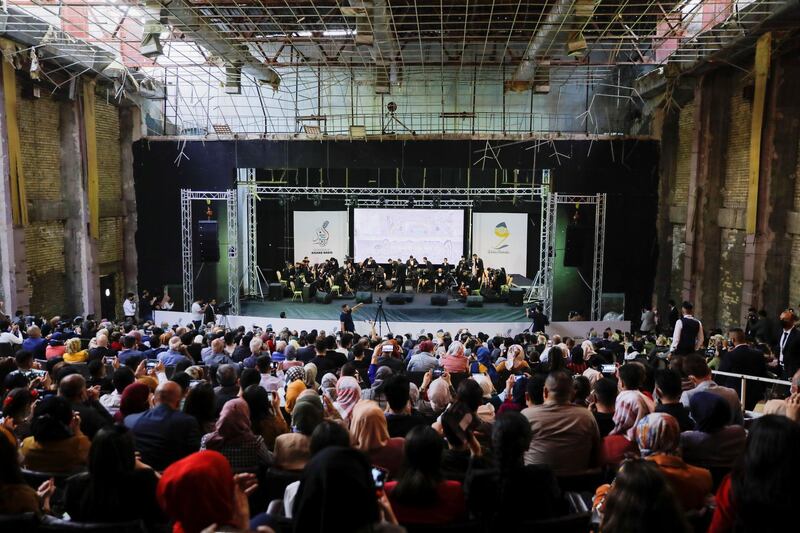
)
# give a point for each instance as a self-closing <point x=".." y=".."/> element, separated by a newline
<point x="440" y="280"/>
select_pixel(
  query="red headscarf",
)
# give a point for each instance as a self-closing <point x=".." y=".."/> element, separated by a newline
<point x="197" y="491"/>
<point x="134" y="400"/>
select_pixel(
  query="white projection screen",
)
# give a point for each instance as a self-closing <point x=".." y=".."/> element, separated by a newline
<point x="388" y="234"/>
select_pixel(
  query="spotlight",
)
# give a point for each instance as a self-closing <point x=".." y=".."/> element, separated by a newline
<point x="411" y="202"/>
<point x="317" y="201"/>
<point x="381" y="201"/>
<point x="436" y="203"/>
<point x="281" y="202"/>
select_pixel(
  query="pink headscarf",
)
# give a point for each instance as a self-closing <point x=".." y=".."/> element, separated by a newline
<point x="348" y="392"/>
<point x="233" y="425"/>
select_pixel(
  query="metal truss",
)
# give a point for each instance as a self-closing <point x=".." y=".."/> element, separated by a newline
<point x="541" y="291"/>
<point x="599" y="254"/>
<point x="186" y="249"/>
<point x="391" y="202"/>
<point x="533" y="192"/>
<point x="229" y="197"/>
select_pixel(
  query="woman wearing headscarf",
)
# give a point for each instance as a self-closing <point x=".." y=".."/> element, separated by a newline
<point x="439" y="395"/>
<point x="713" y="443"/>
<point x="292" y="449"/>
<point x="514" y="362"/>
<point x="629" y="408"/>
<point x="135" y="399"/>
<point x="201" y="490"/>
<point x="348" y="393"/>
<point x="370" y="434"/>
<point x="295" y="385"/>
<point x="335" y="478"/>
<point x="233" y="437"/>
<point x="56" y="443"/>
<point x="658" y="436"/>
<point x="483" y="363"/>
<point x="375" y="391"/>
<point x="454" y="361"/>
<point x="311" y="376"/>
<point x="328" y="385"/>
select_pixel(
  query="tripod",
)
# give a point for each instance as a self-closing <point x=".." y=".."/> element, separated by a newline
<point x="392" y="119"/>
<point x="380" y="319"/>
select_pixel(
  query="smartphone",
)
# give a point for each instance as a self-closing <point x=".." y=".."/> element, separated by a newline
<point x="437" y="373"/>
<point x="151" y="363"/>
<point x="108" y="359"/>
<point x="379" y="476"/>
<point x="608" y="369"/>
<point x="194" y="383"/>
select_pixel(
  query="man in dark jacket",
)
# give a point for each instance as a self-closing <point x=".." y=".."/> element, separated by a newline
<point x="164" y="434"/>
<point x="743" y="359"/>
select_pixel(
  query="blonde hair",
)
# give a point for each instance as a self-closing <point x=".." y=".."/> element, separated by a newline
<point x="73" y="345"/>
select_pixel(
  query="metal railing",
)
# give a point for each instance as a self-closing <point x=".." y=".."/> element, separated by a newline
<point x="745" y="378"/>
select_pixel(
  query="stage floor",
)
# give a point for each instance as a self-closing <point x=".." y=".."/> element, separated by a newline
<point x="419" y="310"/>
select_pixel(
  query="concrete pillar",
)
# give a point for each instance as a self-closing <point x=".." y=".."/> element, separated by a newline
<point x="80" y="253"/>
<point x="667" y="165"/>
<point x="129" y="132"/>
<point x="13" y="290"/>
<point x="778" y="172"/>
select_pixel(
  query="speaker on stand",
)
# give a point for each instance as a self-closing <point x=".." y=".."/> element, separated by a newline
<point x="208" y="241"/>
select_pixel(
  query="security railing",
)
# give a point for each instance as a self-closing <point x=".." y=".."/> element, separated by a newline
<point x="745" y="378"/>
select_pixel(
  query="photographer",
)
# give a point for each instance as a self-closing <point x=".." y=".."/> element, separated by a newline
<point x="538" y="319"/>
<point x="10" y="334"/>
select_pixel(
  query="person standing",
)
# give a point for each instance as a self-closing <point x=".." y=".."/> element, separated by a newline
<point x="129" y="308"/>
<point x="538" y="319"/>
<point x="400" y="276"/>
<point x="788" y="348"/>
<point x="687" y="336"/>
<point x="648" y="320"/>
<point x="674" y="315"/>
<point x="197" y="312"/>
<point x="744" y="360"/>
<point x="346" y="318"/>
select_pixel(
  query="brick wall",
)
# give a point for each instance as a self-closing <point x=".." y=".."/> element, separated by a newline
<point x="680" y="193"/>
<point x="109" y="246"/>
<point x="731" y="274"/>
<point x="44" y="240"/>
<point x="44" y="245"/>
<point x="737" y="156"/>
<point x="678" y="249"/>
<point x="41" y="148"/>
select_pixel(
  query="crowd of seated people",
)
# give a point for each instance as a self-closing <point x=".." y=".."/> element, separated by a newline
<point x="185" y="429"/>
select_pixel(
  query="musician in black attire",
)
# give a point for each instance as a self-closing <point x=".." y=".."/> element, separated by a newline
<point x="400" y="276"/>
<point x="439" y="280"/>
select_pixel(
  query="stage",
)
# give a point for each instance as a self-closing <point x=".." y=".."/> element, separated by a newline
<point x="418" y="310"/>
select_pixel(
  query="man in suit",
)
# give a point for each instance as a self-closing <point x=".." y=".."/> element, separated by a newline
<point x="788" y="348"/>
<point x="164" y="434"/>
<point x="744" y="360"/>
<point x="93" y="415"/>
<point x="400" y="275"/>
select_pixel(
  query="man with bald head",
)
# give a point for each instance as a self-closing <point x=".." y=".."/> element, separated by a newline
<point x="565" y="436"/>
<point x="164" y="434"/>
<point x="93" y="415"/>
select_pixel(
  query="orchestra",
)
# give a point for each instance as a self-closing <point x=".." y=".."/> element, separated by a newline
<point x="466" y="277"/>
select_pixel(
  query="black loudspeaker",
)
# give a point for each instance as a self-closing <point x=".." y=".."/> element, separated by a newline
<point x="409" y="297"/>
<point x="363" y="297"/>
<point x="515" y="295"/>
<point x="575" y="244"/>
<point x="396" y="299"/>
<point x="474" y="301"/>
<point x="275" y="291"/>
<point x="208" y="240"/>
<point x="308" y="292"/>
<point x="439" y="299"/>
<point x="323" y="297"/>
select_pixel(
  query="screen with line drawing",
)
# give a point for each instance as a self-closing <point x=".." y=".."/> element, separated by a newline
<point x="388" y="234"/>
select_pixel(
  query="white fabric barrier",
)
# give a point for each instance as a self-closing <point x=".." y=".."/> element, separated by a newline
<point x="577" y="330"/>
<point x="580" y="329"/>
<point x="362" y="327"/>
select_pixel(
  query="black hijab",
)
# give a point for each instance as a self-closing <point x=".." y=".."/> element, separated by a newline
<point x="337" y="493"/>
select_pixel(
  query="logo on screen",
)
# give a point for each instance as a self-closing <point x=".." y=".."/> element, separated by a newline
<point x="321" y="235"/>
<point x="502" y="233"/>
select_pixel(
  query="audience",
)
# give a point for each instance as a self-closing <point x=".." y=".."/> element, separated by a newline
<point x="440" y="454"/>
